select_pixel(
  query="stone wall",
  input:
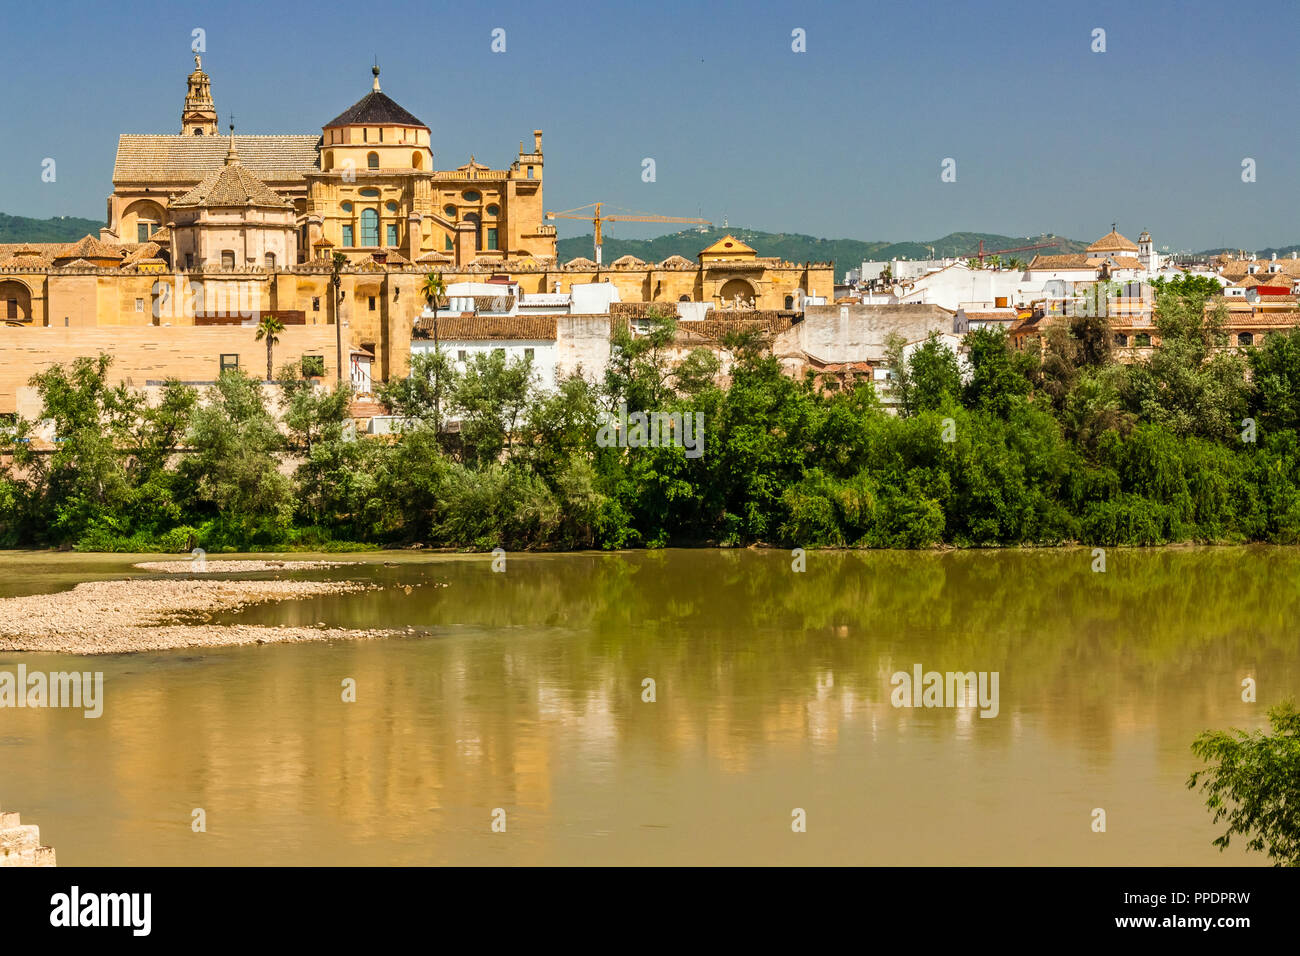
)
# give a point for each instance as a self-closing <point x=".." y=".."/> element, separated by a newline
<point x="21" y="845"/>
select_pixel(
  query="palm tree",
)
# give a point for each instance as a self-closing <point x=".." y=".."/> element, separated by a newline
<point x="269" y="328"/>
<point x="433" y="290"/>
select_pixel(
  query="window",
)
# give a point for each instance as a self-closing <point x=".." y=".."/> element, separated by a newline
<point x="369" y="227"/>
<point x="142" y="231"/>
<point x="315" y="303"/>
<point x="530" y="172"/>
<point x="227" y="258"/>
<point x="313" y="366"/>
<point x="381" y="134"/>
<point x="478" y="233"/>
<point x="189" y="261"/>
<point x="1245" y="338"/>
<point x="365" y="135"/>
<point x="1121" y="339"/>
<point x="198" y="131"/>
<point x="1142" y="340"/>
<point x="417" y="160"/>
<point x="346" y="207"/>
<point x="391" y="207"/>
<point x="472" y="195"/>
<point x="11" y="309"/>
<point x="528" y="355"/>
<point x="789" y="302"/>
<point x="492" y="239"/>
<point x="372" y="303"/>
<point x="269" y="261"/>
<point x="139" y="305"/>
<point x="449" y="211"/>
<point x="372" y="160"/>
<point x="462" y="355"/>
<point x="392" y="234"/>
<point x="447" y="243"/>
<point x="329" y="157"/>
<point x="494" y="210"/>
<point x="347" y="235"/>
<point x="369" y="193"/>
<point x="229" y="361"/>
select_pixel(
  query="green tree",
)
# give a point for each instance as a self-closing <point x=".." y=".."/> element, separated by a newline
<point x="434" y="289"/>
<point x="1254" y="783"/>
<point x="1275" y="376"/>
<point x="491" y="397"/>
<point x="934" y="376"/>
<point x="269" y="329"/>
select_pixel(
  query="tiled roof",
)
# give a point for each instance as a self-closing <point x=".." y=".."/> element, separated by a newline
<point x="677" y="262"/>
<point x="232" y="185"/>
<point x="376" y="109"/>
<point x="628" y="262"/>
<point x="88" y="247"/>
<point x="580" y="264"/>
<point x="1076" y="260"/>
<point x="468" y="328"/>
<point x="1113" y="242"/>
<point x="1127" y="262"/>
<point x="184" y="160"/>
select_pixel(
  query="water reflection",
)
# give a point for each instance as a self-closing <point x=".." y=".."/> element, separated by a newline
<point x="523" y="691"/>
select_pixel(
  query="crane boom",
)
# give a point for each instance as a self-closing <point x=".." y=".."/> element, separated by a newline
<point x="597" y="219"/>
<point x="995" y="252"/>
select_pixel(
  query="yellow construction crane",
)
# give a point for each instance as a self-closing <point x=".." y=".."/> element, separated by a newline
<point x="596" y="219"/>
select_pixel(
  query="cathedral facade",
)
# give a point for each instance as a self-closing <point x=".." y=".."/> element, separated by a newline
<point x="366" y="186"/>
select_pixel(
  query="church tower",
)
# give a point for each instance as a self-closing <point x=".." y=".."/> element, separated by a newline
<point x="199" y="118"/>
<point x="1146" y="252"/>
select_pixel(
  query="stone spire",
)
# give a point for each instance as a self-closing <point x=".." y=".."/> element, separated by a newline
<point x="199" y="117"/>
<point x="232" y="154"/>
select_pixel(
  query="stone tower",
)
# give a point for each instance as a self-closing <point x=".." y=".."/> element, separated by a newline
<point x="199" y="118"/>
<point x="1146" y="252"/>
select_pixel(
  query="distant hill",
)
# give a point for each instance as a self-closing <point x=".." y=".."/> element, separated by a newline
<point x="57" y="229"/>
<point x="845" y="253"/>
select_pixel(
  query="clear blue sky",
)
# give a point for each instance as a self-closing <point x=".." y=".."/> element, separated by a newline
<point x="845" y="140"/>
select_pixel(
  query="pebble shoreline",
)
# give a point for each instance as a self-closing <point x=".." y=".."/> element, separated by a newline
<point x="122" y="617"/>
<point x="219" y="566"/>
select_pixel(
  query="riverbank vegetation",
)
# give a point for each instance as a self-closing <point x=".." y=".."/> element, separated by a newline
<point x="1059" y="444"/>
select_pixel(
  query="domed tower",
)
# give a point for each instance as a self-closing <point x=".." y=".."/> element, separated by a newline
<point x="199" y="118"/>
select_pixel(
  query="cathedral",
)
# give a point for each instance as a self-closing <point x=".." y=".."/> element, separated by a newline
<point x="366" y="186"/>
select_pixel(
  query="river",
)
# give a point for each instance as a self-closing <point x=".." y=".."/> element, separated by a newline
<point x="518" y="696"/>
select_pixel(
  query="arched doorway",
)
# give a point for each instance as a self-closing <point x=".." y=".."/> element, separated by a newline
<point x="15" y="301"/>
<point x="736" y="287"/>
<point x="140" y="220"/>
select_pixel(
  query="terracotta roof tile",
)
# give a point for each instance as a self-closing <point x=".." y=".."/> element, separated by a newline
<point x="184" y="160"/>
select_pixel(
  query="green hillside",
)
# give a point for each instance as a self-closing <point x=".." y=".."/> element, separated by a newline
<point x="56" y="229"/>
<point x="845" y="253"/>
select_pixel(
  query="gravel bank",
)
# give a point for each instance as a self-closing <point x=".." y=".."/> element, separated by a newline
<point x="215" y="566"/>
<point x="118" y="617"/>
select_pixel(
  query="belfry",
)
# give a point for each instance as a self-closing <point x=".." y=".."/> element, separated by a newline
<point x="199" y="118"/>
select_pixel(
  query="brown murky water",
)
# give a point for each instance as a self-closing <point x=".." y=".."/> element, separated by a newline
<point x="522" y="691"/>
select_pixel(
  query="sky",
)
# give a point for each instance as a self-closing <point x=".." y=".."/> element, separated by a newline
<point x="846" y="139"/>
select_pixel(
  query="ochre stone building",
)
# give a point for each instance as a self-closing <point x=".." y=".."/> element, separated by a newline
<point x="206" y="228"/>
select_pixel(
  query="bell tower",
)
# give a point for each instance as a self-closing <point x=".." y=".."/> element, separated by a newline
<point x="199" y="118"/>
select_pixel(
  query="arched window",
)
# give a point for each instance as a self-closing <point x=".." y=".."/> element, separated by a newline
<point x="270" y="261"/>
<point x="372" y="160"/>
<point x="417" y="160"/>
<point x="789" y="302"/>
<point x="530" y="172"/>
<point x="198" y="131"/>
<point x="494" y="210"/>
<point x="449" y="211"/>
<point x="391" y="207"/>
<point x="685" y="298"/>
<point x="478" y="233"/>
<point x="369" y="227"/>
<point x="227" y="258"/>
<point x="1245" y="338"/>
<point x="346" y="207"/>
<point x="329" y="159"/>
